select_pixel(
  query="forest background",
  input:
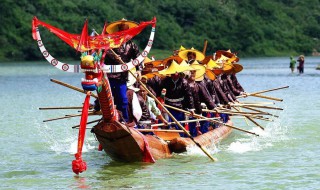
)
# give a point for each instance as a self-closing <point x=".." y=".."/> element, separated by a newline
<point x="251" y="28"/>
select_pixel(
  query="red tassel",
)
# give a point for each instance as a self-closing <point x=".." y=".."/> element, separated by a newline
<point x="78" y="165"/>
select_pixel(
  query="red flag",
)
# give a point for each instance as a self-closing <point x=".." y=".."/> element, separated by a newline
<point x="84" y="40"/>
<point x="102" y="41"/>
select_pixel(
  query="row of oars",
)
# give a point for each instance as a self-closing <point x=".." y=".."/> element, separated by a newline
<point x="257" y="114"/>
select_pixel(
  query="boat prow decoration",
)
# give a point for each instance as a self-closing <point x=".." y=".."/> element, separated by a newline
<point x="88" y="43"/>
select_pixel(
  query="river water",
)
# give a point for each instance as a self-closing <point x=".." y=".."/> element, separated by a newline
<point x="38" y="155"/>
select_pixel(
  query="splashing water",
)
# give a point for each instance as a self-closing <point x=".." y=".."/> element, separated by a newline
<point x="63" y="141"/>
<point x="274" y="132"/>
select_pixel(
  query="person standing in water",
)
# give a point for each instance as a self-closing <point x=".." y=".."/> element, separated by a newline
<point x="301" y="64"/>
<point x="292" y="64"/>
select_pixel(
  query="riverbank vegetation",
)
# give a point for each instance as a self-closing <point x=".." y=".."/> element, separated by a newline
<point x="249" y="27"/>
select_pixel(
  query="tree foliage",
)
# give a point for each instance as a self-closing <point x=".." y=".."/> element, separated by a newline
<point x="249" y="27"/>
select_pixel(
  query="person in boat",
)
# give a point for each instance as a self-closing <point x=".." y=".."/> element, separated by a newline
<point x="150" y="111"/>
<point x="125" y="52"/>
<point x="292" y="64"/>
<point x="301" y="64"/>
<point x="134" y="108"/>
<point x="200" y="95"/>
<point x="144" y="80"/>
<point x="232" y="80"/>
<point x="191" y="55"/>
<point x="178" y="93"/>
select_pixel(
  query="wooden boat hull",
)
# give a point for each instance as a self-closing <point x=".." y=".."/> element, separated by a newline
<point x="208" y="139"/>
<point x="127" y="144"/>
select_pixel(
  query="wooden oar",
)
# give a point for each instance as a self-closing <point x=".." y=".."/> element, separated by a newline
<point x="160" y="130"/>
<point x="265" y="107"/>
<point x="259" y="103"/>
<point x="251" y="119"/>
<point x="185" y="121"/>
<point x="269" y="90"/>
<point x="246" y="107"/>
<point x="211" y="119"/>
<point x="60" y="108"/>
<point x="72" y="87"/>
<point x="205" y="47"/>
<point x="165" y="109"/>
<point x="263" y="91"/>
<point x="76" y="126"/>
<point x="266" y="97"/>
<point x="232" y="112"/>
<point x="64" y="117"/>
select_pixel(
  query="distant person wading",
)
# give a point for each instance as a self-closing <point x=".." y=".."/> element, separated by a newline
<point x="301" y="64"/>
<point x="292" y="64"/>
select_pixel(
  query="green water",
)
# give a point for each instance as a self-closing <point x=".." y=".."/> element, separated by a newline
<point x="38" y="155"/>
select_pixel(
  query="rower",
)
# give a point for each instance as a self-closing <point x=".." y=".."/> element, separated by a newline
<point x="150" y="111"/>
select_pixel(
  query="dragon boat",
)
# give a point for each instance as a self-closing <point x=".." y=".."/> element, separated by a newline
<point x="119" y="141"/>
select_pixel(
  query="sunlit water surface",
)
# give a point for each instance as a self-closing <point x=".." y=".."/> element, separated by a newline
<point x="38" y="155"/>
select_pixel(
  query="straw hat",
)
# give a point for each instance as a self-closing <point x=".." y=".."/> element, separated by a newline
<point x="217" y="71"/>
<point x="176" y="58"/>
<point x="212" y="64"/>
<point x="207" y="59"/>
<point x="183" y="54"/>
<point x="236" y="68"/>
<point x="113" y="27"/>
<point x="226" y="54"/>
<point x="175" y="68"/>
<point x="229" y="64"/>
<point x="146" y="60"/>
<point x="201" y="70"/>
<point x="210" y="74"/>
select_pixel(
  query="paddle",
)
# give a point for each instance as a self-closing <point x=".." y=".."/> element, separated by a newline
<point x="246" y="107"/>
<point x="72" y="87"/>
<point x="211" y="119"/>
<point x="76" y="126"/>
<point x="263" y="91"/>
<point x="66" y="117"/>
<point x="165" y="109"/>
<point x="266" y="97"/>
<point x="265" y="107"/>
<point x="251" y="119"/>
<point x="186" y="121"/>
<point x="61" y="108"/>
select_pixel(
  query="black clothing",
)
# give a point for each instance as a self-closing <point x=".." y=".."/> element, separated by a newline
<point x="126" y="51"/>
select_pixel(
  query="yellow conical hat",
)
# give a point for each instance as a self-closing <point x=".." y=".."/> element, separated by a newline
<point x="183" y="54"/>
<point x="182" y="48"/>
<point x="147" y="60"/>
<point x="184" y="63"/>
<point x="210" y="74"/>
<point x="235" y="68"/>
<point x="200" y="70"/>
<point x="175" y="68"/>
<point x="228" y="65"/>
<point x="226" y="54"/>
<point x="212" y="64"/>
<point x="113" y="27"/>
